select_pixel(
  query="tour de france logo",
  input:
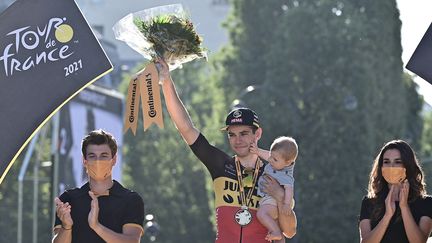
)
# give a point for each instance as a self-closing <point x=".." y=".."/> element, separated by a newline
<point x="30" y="46"/>
<point x="64" y="33"/>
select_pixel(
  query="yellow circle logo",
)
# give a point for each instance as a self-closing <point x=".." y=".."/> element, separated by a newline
<point x="64" y="33"/>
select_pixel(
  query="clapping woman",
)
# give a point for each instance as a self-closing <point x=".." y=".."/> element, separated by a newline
<point x="396" y="208"/>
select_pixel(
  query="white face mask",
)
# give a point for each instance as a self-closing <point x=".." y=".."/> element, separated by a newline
<point x="393" y="175"/>
<point x="99" y="169"/>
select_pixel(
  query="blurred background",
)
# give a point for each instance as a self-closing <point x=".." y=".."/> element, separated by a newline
<point x="329" y="73"/>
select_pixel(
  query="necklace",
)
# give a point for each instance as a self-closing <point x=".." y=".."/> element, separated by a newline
<point x="243" y="216"/>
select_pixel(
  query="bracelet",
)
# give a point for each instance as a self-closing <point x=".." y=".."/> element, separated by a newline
<point x="66" y="228"/>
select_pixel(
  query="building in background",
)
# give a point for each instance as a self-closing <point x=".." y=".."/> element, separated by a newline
<point x="114" y="78"/>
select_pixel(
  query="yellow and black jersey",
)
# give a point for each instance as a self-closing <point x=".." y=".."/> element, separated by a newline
<point x="222" y="169"/>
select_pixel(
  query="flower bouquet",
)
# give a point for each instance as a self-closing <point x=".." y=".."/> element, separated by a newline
<point x="161" y="32"/>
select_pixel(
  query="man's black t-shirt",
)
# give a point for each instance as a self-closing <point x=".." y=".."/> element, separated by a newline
<point x="119" y="208"/>
<point x="395" y="232"/>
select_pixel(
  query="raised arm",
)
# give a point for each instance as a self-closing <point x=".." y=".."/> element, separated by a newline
<point x="176" y="109"/>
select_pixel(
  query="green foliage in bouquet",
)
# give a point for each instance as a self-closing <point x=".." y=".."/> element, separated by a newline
<point x="172" y="37"/>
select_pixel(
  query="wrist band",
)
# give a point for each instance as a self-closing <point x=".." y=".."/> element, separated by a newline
<point x="66" y="228"/>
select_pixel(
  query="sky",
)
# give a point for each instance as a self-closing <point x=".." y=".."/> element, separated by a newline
<point x="416" y="16"/>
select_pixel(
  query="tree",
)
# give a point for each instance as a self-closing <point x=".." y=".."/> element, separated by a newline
<point x="9" y="195"/>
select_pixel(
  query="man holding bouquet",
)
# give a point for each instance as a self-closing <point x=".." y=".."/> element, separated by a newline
<point x="234" y="178"/>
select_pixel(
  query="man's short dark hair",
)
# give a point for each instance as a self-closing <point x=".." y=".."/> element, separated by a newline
<point x="254" y="129"/>
<point x="99" y="137"/>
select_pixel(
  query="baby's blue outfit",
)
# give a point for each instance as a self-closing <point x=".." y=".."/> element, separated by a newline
<point x="284" y="176"/>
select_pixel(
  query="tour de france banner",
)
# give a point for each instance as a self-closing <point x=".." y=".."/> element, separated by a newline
<point x="163" y="32"/>
<point x="420" y="62"/>
<point x="48" y="54"/>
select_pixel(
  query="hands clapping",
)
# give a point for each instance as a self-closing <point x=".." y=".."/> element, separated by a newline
<point x="93" y="217"/>
<point x="402" y="197"/>
<point x="403" y="194"/>
<point x="63" y="211"/>
<point x="390" y="206"/>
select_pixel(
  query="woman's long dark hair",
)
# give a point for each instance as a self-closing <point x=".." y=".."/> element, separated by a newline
<point x="378" y="186"/>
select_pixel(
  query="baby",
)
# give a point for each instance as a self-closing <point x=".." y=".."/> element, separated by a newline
<point x="281" y="157"/>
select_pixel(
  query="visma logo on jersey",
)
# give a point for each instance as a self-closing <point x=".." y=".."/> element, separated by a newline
<point x="39" y="44"/>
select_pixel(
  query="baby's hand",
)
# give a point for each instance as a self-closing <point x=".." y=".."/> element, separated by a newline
<point x="253" y="148"/>
<point x="286" y="209"/>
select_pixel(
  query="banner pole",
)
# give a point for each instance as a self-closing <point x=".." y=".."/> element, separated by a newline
<point x="54" y="163"/>
<point x="21" y="176"/>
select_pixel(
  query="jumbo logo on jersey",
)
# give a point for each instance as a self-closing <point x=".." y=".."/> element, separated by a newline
<point x="227" y="193"/>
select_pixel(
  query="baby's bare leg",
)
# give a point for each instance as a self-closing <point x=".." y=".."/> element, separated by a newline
<point x="267" y="215"/>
